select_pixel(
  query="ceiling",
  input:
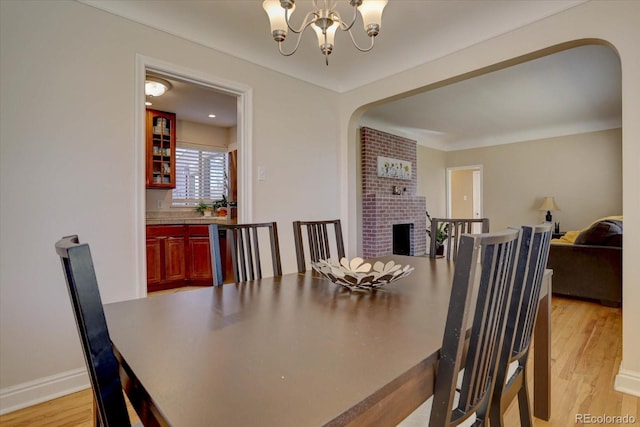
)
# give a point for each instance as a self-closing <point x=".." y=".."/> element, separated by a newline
<point x="561" y="94"/>
<point x="194" y="103"/>
<point x="569" y="92"/>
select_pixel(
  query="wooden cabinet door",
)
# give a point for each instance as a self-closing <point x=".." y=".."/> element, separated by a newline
<point x="154" y="261"/>
<point x="160" y="149"/>
<point x="174" y="258"/>
<point x="199" y="259"/>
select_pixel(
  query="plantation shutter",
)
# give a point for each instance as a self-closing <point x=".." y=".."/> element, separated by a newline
<point x="200" y="176"/>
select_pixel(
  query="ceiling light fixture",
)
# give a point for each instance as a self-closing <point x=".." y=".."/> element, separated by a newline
<point x="154" y="86"/>
<point x="213" y="116"/>
<point x="325" y="20"/>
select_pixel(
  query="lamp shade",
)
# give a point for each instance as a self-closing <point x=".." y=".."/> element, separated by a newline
<point x="371" y="11"/>
<point x="548" y="204"/>
<point x="331" y="35"/>
<point x="276" y="15"/>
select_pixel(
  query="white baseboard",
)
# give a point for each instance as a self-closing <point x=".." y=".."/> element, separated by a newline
<point x="628" y="382"/>
<point x="43" y="389"/>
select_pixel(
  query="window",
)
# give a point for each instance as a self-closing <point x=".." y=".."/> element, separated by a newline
<point x="200" y="176"/>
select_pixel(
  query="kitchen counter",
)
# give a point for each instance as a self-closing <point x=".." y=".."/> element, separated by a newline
<point x="188" y="220"/>
<point x="176" y="218"/>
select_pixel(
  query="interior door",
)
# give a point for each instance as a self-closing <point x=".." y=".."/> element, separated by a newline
<point x="464" y="193"/>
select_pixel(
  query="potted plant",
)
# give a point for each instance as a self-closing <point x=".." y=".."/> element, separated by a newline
<point x="204" y="209"/>
<point x="220" y="206"/>
<point x="441" y="235"/>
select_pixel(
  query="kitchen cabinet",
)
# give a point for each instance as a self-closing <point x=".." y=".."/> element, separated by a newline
<point x="166" y="266"/>
<point x="154" y="265"/>
<point x="160" y="149"/>
<point x="179" y="255"/>
<point x="199" y="255"/>
<point x="174" y="258"/>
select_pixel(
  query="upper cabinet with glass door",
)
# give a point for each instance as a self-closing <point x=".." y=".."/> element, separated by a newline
<point x="161" y="149"/>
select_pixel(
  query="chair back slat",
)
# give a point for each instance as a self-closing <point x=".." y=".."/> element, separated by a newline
<point x="314" y="242"/>
<point x="456" y="227"/>
<point x="325" y="252"/>
<point x="253" y="233"/>
<point x="243" y="255"/>
<point x="318" y="240"/>
<point x="101" y="362"/>
<point x="492" y="290"/>
<point x="244" y="248"/>
<point x="237" y="255"/>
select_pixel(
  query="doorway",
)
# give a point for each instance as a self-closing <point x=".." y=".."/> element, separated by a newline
<point x="243" y="96"/>
<point x="464" y="193"/>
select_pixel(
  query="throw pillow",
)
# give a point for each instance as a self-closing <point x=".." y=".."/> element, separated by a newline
<point x="603" y="233"/>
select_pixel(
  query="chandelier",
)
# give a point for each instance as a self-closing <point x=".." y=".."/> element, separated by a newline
<point x="325" y="21"/>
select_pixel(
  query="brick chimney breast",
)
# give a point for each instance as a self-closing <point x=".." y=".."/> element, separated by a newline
<point x="381" y="209"/>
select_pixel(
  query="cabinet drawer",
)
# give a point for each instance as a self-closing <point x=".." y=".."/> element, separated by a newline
<point x="165" y="230"/>
<point x="198" y="230"/>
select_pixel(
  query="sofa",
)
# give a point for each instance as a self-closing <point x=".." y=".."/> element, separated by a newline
<point x="588" y="263"/>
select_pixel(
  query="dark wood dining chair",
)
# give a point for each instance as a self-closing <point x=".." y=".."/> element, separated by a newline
<point x="109" y="404"/>
<point x="244" y="245"/>
<point x="474" y="332"/>
<point x="455" y="228"/>
<point x="511" y="377"/>
<point x="318" y="241"/>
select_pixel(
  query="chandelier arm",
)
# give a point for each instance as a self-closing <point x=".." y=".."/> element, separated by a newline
<point x="304" y="24"/>
<point x="343" y="25"/>
<point x="358" y="47"/>
<point x="283" y="53"/>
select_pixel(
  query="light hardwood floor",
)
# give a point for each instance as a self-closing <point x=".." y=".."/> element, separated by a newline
<point x="585" y="351"/>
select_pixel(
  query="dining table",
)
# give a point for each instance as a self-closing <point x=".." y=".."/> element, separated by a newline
<point x="295" y="350"/>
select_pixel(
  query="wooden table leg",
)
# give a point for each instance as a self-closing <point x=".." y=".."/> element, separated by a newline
<point x="542" y="354"/>
<point x="96" y="419"/>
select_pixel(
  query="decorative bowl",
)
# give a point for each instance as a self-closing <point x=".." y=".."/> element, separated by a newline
<point x="357" y="274"/>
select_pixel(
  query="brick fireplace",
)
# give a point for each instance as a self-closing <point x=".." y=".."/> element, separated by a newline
<point x="381" y="208"/>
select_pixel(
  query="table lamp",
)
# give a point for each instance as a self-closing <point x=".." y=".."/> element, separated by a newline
<point x="548" y="204"/>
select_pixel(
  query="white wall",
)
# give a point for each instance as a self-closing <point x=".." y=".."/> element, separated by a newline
<point x="201" y="136"/>
<point x="432" y="169"/>
<point x="614" y="22"/>
<point x="583" y="172"/>
<point x="68" y="138"/>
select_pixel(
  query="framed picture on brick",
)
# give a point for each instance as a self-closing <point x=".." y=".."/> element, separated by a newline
<point x="393" y="168"/>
